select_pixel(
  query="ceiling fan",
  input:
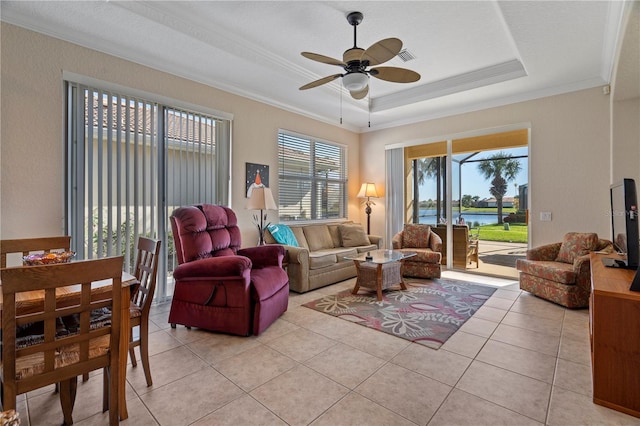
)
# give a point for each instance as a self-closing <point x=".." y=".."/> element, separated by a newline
<point x="355" y="62"/>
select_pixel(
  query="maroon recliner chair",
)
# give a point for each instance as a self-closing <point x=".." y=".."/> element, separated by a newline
<point x="219" y="286"/>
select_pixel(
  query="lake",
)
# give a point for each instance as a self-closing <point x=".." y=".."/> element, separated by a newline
<point x="428" y="216"/>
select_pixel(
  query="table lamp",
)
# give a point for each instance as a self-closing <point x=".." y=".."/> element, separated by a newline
<point x="261" y="198"/>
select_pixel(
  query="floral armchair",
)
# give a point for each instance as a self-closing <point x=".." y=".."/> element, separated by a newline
<point x="426" y="244"/>
<point x="561" y="272"/>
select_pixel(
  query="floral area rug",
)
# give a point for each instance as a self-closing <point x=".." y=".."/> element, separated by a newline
<point x="428" y="312"/>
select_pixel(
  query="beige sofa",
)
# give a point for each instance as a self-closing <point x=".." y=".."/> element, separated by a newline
<point x="319" y="259"/>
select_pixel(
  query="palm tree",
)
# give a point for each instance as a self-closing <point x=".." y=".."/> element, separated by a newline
<point x="500" y="168"/>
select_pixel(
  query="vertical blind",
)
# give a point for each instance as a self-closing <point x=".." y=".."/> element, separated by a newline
<point x="312" y="178"/>
<point x="130" y="163"/>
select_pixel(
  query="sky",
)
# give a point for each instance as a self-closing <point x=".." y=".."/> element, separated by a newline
<point x="474" y="183"/>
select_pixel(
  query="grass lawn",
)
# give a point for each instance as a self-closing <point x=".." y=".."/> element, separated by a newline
<point x="517" y="233"/>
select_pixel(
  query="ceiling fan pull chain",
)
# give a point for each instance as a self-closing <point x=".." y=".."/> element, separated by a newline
<point x="369" y="100"/>
<point x="341" y="105"/>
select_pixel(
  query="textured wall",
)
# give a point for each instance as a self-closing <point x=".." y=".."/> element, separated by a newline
<point x="32" y="128"/>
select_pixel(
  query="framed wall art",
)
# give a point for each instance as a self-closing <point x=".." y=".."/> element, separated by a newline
<point x="257" y="175"/>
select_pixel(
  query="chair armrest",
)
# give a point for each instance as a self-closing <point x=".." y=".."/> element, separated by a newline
<point x="396" y="241"/>
<point x="263" y="256"/>
<point x="376" y="239"/>
<point x="298" y="268"/>
<point x="605" y="245"/>
<point x="223" y="266"/>
<point x="582" y="268"/>
<point x="545" y="252"/>
<point x="582" y="264"/>
<point x="435" y="242"/>
<point x="298" y="256"/>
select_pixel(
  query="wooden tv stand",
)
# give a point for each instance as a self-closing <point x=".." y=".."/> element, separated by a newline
<point x="614" y="329"/>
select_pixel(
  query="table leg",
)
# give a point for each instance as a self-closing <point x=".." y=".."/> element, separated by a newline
<point x="379" y="281"/>
<point x="402" y="284"/>
<point x="124" y="353"/>
<point x="357" y="286"/>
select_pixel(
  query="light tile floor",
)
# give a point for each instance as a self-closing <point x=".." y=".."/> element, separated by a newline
<point x="519" y="361"/>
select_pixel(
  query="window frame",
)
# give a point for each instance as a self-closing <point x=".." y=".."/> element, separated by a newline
<point x="319" y="189"/>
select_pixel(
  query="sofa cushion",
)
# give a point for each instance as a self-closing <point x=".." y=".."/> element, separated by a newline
<point x="353" y="236"/>
<point x="576" y="244"/>
<point x="283" y="234"/>
<point x="298" y="232"/>
<point x="559" y="272"/>
<point x="335" y="234"/>
<point x="416" y="235"/>
<point x="318" y="237"/>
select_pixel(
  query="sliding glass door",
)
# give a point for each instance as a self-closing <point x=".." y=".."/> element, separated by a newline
<point x="462" y="186"/>
<point x="130" y="163"/>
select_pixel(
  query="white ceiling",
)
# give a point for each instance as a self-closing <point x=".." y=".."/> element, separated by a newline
<point x="471" y="54"/>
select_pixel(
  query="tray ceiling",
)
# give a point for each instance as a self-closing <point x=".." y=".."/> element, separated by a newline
<point x="471" y="55"/>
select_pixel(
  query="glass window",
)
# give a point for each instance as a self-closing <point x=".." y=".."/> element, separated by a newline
<point x="312" y="178"/>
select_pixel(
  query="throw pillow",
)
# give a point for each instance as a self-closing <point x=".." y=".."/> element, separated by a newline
<point x="416" y="235"/>
<point x="318" y="237"/>
<point x="576" y="244"/>
<point x="353" y="236"/>
<point x="283" y="234"/>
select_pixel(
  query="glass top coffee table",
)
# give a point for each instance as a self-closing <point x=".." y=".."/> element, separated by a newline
<point x="379" y="270"/>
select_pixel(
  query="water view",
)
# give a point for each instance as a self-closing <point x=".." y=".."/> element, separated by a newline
<point x="430" y="217"/>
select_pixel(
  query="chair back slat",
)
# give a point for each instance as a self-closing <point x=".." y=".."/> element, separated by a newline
<point x="51" y="357"/>
<point x="26" y="246"/>
<point x="146" y="271"/>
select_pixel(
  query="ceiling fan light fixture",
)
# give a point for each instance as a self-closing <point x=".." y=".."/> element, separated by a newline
<point x="355" y="81"/>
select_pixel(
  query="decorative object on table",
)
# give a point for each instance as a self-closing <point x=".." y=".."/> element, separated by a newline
<point x="48" y="258"/>
<point x="261" y="199"/>
<point x="368" y="190"/>
<point x="427" y="313"/>
<point x="257" y="176"/>
<point x="25" y="246"/>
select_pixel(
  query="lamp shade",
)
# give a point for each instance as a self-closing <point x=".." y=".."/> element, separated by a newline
<point x="355" y="81"/>
<point x="261" y="199"/>
<point x="368" y="189"/>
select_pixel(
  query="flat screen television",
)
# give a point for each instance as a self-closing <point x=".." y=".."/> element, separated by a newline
<point x="624" y="222"/>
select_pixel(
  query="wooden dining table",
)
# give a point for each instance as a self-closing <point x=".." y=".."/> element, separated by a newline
<point x="28" y="302"/>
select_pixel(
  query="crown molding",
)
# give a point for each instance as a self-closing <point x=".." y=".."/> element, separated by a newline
<point x="462" y="82"/>
<point x="492" y="103"/>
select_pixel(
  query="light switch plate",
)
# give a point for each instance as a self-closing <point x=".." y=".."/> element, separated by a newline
<point x="545" y="216"/>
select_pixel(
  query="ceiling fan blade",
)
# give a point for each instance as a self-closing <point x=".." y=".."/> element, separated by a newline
<point x="320" y="82"/>
<point x="394" y="74"/>
<point x="382" y="51"/>
<point x="324" y="59"/>
<point x="360" y="93"/>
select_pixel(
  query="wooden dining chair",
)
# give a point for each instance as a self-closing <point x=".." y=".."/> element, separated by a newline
<point x="26" y="246"/>
<point x="50" y="357"/>
<point x="146" y="271"/>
